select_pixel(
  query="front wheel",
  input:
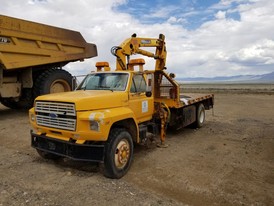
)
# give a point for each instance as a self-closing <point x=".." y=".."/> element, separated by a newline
<point x="118" y="154"/>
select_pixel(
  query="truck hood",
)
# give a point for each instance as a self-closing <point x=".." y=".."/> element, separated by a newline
<point x="89" y="100"/>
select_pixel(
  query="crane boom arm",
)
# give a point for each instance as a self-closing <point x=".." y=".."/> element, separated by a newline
<point x="132" y="46"/>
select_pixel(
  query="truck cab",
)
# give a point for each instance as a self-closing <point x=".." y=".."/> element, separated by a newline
<point x="104" y="103"/>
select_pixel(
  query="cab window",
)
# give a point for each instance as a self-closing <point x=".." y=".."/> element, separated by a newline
<point x="138" y="84"/>
<point x="105" y="81"/>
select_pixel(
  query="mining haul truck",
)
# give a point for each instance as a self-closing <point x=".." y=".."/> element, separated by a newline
<point x="110" y="111"/>
<point x="31" y="58"/>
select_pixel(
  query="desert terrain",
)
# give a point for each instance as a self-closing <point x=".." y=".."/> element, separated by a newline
<point x="229" y="161"/>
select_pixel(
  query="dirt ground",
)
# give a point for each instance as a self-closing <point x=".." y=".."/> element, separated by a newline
<point x="230" y="161"/>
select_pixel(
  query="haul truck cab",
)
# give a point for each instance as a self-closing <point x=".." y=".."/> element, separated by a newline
<point x="111" y="110"/>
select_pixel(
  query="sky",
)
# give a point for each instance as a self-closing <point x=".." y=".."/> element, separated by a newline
<point x="204" y="38"/>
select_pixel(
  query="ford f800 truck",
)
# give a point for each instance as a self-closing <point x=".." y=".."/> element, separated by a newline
<point x="111" y="110"/>
<point x="31" y="59"/>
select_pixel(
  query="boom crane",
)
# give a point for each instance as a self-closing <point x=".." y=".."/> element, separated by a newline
<point x="132" y="46"/>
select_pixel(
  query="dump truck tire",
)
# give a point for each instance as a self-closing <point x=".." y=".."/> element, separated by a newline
<point x="24" y="102"/>
<point x="8" y="102"/>
<point x="52" y="81"/>
<point x="200" y="116"/>
<point x="118" y="154"/>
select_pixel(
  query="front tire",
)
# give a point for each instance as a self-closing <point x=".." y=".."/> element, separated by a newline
<point x="118" y="154"/>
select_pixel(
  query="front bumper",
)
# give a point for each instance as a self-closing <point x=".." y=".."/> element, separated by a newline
<point x="80" y="152"/>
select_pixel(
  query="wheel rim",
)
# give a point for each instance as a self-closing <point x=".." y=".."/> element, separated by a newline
<point x="202" y="116"/>
<point x="122" y="154"/>
<point x="59" y="86"/>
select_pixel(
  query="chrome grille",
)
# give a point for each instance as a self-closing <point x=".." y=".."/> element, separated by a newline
<point x="55" y="107"/>
<point x="56" y="115"/>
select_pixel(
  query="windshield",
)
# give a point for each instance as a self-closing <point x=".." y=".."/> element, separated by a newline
<point x="105" y="81"/>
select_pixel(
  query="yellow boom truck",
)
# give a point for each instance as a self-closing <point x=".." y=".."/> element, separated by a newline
<point x="111" y="110"/>
<point x="31" y="58"/>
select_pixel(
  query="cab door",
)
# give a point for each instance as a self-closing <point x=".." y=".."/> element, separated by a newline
<point x="141" y="105"/>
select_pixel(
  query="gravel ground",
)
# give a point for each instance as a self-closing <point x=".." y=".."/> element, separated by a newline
<point x="230" y="161"/>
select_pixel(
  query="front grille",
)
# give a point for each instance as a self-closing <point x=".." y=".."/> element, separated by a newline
<point x="55" y="107"/>
<point x="56" y="115"/>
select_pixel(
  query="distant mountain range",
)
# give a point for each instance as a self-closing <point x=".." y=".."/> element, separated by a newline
<point x="264" y="78"/>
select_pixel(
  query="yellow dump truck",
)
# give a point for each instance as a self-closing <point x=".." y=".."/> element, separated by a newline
<point x="111" y="110"/>
<point x="31" y="58"/>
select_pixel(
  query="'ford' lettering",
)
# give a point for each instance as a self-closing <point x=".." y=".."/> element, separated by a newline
<point x="52" y="115"/>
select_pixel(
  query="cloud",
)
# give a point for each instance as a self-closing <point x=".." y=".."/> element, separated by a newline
<point x="219" y="45"/>
<point x="261" y="53"/>
<point x="220" y="15"/>
<point x="226" y="4"/>
<point x="222" y="45"/>
<point x="162" y="12"/>
<point x="174" y="20"/>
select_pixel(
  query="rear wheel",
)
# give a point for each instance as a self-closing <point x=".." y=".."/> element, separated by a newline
<point x="200" y="116"/>
<point x="53" y="81"/>
<point x="118" y="155"/>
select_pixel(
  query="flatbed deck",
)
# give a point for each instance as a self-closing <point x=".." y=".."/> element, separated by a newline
<point x="188" y="99"/>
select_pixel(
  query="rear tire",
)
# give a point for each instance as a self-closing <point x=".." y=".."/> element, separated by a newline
<point x="118" y="154"/>
<point x="52" y="81"/>
<point x="200" y="116"/>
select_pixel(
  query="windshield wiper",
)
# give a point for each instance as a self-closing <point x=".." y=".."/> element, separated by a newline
<point x="104" y="87"/>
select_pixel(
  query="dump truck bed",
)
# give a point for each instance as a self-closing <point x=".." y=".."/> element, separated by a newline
<point x="27" y="44"/>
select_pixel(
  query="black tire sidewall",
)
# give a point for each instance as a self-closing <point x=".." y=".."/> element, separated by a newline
<point x="45" y="80"/>
<point x="115" y="137"/>
<point x="58" y="74"/>
<point x="25" y="101"/>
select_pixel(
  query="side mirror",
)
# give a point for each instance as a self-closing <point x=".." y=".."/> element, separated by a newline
<point x="148" y="94"/>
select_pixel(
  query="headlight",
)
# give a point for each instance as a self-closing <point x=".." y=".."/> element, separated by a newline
<point x="94" y="125"/>
<point x="32" y="117"/>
